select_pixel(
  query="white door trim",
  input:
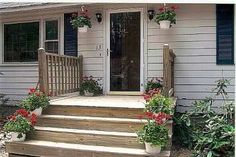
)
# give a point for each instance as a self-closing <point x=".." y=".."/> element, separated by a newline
<point x="107" y="46"/>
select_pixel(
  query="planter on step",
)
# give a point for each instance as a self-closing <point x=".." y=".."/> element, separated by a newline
<point x="153" y="150"/>
<point x="15" y="138"/>
<point x="89" y="94"/>
<point x="37" y="111"/>
<point x="165" y="24"/>
<point x="83" y="29"/>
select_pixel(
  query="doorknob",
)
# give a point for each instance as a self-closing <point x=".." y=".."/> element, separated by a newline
<point x="131" y="61"/>
<point x="108" y="52"/>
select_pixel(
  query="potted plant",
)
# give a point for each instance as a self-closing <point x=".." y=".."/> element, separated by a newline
<point x="154" y="133"/>
<point x="82" y="22"/>
<point x="158" y="103"/>
<point x="35" y="102"/>
<point x="20" y="123"/>
<point x="154" y="83"/>
<point x="166" y="17"/>
<point x="90" y="87"/>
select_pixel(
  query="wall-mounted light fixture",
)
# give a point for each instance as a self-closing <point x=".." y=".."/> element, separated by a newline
<point x="99" y="17"/>
<point x="151" y="14"/>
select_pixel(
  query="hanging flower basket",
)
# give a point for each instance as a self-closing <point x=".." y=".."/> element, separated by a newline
<point x="83" y="29"/>
<point x="164" y="24"/>
<point x="82" y="21"/>
<point x="166" y="17"/>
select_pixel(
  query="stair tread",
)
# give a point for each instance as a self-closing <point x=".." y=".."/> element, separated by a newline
<point x="94" y="132"/>
<point x="96" y="118"/>
<point x="81" y="147"/>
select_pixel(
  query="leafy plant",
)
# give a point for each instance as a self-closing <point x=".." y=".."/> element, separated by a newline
<point x="20" y="122"/>
<point x="35" y="99"/>
<point x="81" y="20"/>
<point x="212" y="134"/>
<point x="154" y="131"/>
<point x="166" y="13"/>
<point x="91" y="86"/>
<point x="159" y="103"/>
<point x="154" y="83"/>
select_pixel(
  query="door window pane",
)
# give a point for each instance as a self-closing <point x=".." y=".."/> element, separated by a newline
<point x="21" y="42"/>
<point x="51" y="36"/>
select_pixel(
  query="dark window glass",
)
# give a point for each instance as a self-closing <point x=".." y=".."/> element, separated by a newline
<point x="51" y="36"/>
<point x="225" y="33"/>
<point x="21" y="42"/>
<point x="52" y="30"/>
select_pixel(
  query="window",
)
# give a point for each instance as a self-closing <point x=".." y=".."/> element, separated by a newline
<point x="225" y="33"/>
<point x="51" y="36"/>
<point x="21" y="42"/>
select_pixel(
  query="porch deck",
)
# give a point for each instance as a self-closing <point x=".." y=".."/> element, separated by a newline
<point x="102" y="101"/>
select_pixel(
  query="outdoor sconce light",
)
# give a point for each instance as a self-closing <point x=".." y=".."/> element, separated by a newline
<point x="99" y="17"/>
<point x="150" y="14"/>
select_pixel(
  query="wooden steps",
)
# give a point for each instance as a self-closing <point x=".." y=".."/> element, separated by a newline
<point x="56" y="149"/>
<point x="85" y="131"/>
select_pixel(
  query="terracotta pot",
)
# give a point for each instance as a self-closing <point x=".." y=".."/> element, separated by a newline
<point x="83" y="29"/>
<point x="153" y="150"/>
<point x="14" y="137"/>
<point x="37" y="111"/>
<point x="165" y="24"/>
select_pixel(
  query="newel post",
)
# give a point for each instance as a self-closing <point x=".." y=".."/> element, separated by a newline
<point x="43" y="73"/>
<point x="166" y="70"/>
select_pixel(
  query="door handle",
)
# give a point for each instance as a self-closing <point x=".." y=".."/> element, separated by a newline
<point x="108" y="52"/>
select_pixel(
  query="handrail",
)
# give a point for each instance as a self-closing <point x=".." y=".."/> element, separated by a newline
<point x="59" y="74"/>
<point x="168" y="70"/>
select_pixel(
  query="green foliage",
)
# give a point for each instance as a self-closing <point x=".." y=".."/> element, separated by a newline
<point x="18" y="124"/>
<point x="154" y="134"/>
<point x="159" y="103"/>
<point x="90" y="85"/>
<point x="35" y="100"/>
<point x="169" y="15"/>
<point x="154" y="84"/>
<point x="80" y="21"/>
<point x="211" y="134"/>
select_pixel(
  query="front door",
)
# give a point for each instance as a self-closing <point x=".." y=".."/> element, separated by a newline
<point x="124" y="51"/>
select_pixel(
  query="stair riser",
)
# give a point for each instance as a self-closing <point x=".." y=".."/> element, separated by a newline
<point x="94" y="125"/>
<point x="93" y="111"/>
<point x="87" y="139"/>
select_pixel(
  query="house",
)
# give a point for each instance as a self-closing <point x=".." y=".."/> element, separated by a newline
<point x="202" y="42"/>
<point x="123" y="49"/>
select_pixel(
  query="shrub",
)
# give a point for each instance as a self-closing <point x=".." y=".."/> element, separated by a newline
<point x="212" y="134"/>
<point x="35" y="99"/>
<point x="90" y="85"/>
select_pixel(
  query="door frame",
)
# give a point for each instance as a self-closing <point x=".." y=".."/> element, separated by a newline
<point x="107" y="46"/>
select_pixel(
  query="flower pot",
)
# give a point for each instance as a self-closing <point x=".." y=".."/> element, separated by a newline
<point x="89" y="94"/>
<point x="83" y="29"/>
<point x="165" y="24"/>
<point x="37" y="111"/>
<point x="153" y="150"/>
<point x="14" y="137"/>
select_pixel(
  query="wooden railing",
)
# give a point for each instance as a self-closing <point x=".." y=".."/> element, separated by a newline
<point x="59" y="74"/>
<point x="168" y="71"/>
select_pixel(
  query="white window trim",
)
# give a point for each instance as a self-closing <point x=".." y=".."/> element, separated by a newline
<point x="58" y="33"/>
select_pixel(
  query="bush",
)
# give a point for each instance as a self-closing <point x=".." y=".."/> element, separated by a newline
<point x="154" y="83"/>
<point x="212" y="134"/>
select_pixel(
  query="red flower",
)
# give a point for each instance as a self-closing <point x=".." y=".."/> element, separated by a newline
<point x="22" y="112"/>
<point x="174" y="7"/>
<point x="33" y="119"/>
<point x="38" y="94"/>
<point x="13" y="118"/>
<point x="32" y="90"/>
<point x="161" y="9"/>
